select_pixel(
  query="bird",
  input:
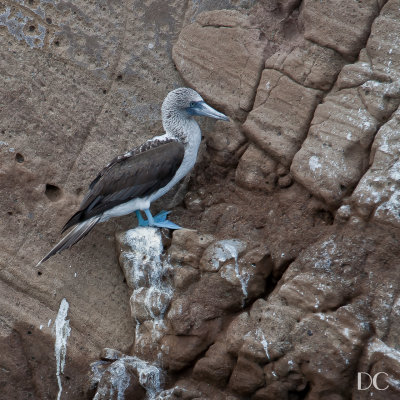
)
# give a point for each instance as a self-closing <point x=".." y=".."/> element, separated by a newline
<point x="133" y="180"/>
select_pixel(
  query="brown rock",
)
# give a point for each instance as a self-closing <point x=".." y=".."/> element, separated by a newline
<point x="191" y="311"/>
<point x="383" y="54"/>
<point x="335" y="153"/>
<point x="187" y="246"/>
<point x="256" y="170"/>
<point x="222" y="56"/>
<point x="15" y="373"/>
<point x="378" y="189"/>
<point x="343" y="27"/>
<point x="285" y="181"/>
<point x="310" y="65"/>
<point x="216" y="366"/>
<point x="224" y="143"/>
<point x="281" y="134"/>
<point x="354" y="75"/>
<point x="180" y="350"/>
<point x="246" y="377"/>
<point x="306" y="349"/>
<point x="185" y="276"/>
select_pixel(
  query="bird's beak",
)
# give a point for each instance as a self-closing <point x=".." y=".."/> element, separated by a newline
<point x="203" y="109"/>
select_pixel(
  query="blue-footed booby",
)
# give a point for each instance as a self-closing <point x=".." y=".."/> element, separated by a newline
<point x="132" y="181"/>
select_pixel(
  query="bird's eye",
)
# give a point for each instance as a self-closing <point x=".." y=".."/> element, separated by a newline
<point x="192" y="103"/>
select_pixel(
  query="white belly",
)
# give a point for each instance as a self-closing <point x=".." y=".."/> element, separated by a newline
<point x="126" y="208"/>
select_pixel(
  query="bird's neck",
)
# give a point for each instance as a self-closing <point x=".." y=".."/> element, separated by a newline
<point x="182" y="128"/>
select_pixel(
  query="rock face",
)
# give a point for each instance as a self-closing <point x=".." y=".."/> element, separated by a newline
<point x="284" y="282"/>
<point x="205" y="49"/>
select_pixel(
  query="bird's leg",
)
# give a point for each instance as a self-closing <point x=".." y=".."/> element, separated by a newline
<point x="141" y="220"/>
<point x="161" y="224"/>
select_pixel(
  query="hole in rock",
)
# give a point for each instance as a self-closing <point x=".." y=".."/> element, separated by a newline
<point x="29" y="332"/>
<point x="119" y="78"/>
<point x="39" y="273"/>
<point x="57" y="43"/>
<point x="31" y="28"/>
<point x="52" y="192"/>
<point x="48" y="20"/>
<point x="301" y="394"/>
<point x="19" y="158"/>
<point x="9" y="213"/>
<point x="323" y="216"/>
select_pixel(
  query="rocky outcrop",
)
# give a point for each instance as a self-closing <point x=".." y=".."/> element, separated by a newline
<point x="283" y="284"/>
<point x="225" y="46"/>
<point x="336" y="153"/>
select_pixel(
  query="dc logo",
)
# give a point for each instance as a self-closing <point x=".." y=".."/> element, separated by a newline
<point x="365" y="381"/>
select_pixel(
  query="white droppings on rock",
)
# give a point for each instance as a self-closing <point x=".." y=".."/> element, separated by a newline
<point x="62" y="332"/>
<point x="314" y="163"/>
<point x="260" y="335"/>
<point x="220" y="252"/>
<point x="145" y="249"/>
<point x="147" y="273"/>
<point x="394" y="171"/>
<point x="346" y="333"/>
<point x="225" y="250"/>
<point x="119" y="378"/>
<point x="150" y="376"/>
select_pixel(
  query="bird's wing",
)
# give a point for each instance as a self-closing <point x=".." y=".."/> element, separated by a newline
<point x="136" y="174"/>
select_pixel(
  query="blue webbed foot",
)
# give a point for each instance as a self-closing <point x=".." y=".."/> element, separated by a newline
<point x="167" y="224"/>
<point x="160" y="220"/>
<point x="161" y="216"/>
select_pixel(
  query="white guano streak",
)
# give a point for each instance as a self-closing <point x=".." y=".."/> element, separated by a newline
<point x="62" y="331"/>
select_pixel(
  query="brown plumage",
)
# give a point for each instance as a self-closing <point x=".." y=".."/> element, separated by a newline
<point x="140" y="172"/>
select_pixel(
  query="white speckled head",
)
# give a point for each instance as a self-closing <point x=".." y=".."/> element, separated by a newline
<point x="181" y="105"/>
<point x="180" y="99"/>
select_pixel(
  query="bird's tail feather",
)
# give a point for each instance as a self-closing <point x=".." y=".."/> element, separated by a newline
<point x="76" y="234"/>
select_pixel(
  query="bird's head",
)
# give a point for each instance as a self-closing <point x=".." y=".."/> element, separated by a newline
<point x="188" y="103"/>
